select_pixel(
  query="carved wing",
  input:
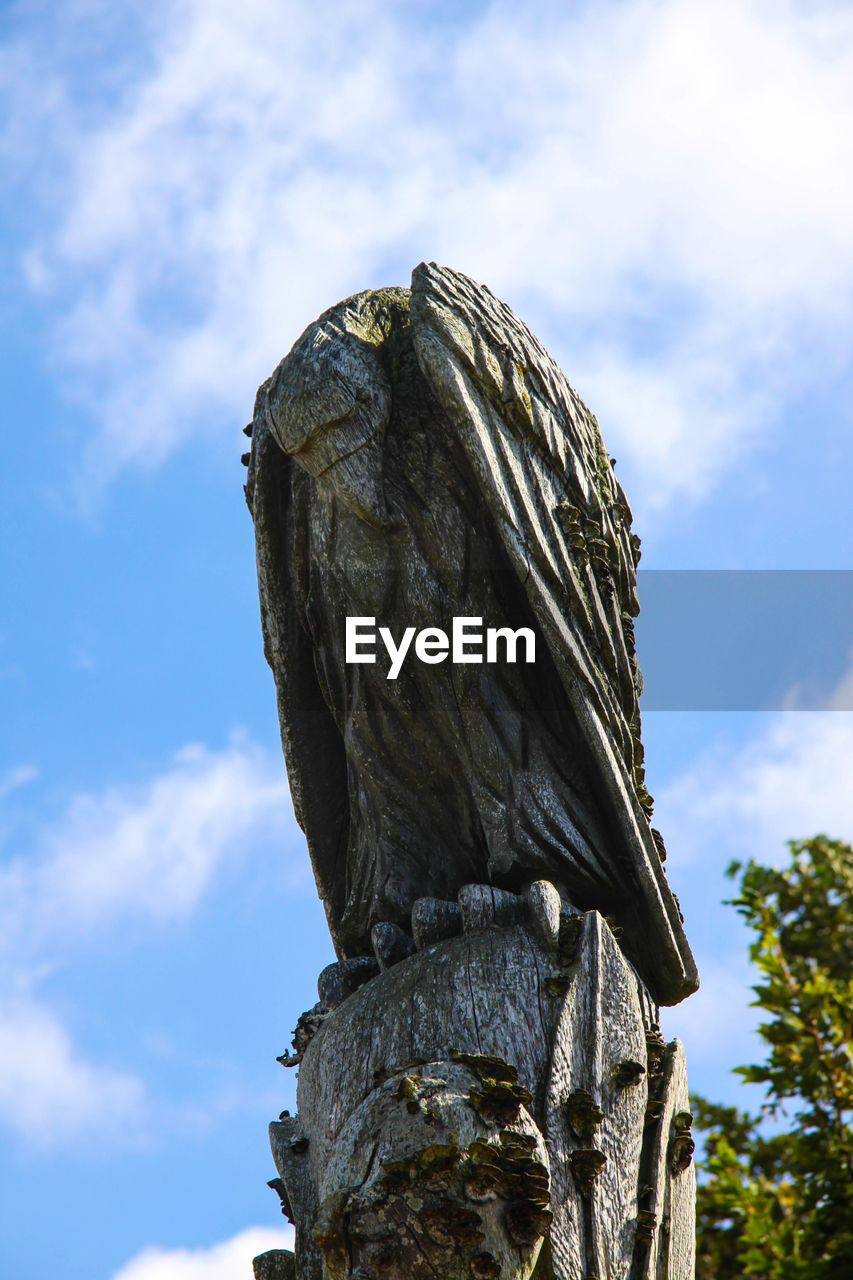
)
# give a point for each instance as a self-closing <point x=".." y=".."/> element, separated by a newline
<point x="545" y="477"/>
<point x="313" y="747"/>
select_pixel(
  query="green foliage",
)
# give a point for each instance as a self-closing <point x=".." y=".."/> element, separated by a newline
<point x="779" y="1205"/>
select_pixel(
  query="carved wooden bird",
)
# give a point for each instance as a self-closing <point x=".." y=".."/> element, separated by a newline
<point x="416" y="457"/>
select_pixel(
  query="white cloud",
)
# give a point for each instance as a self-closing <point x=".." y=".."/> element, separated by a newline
<point x="49" y="1094"/>
<point x="789" y="782"/>
<point x="228" y="1260"/>
<point x="687" y="411"/>
<point x="17" y="777"/>
<point x="147" y="851"/>
<point x="662" y="187"/>
<point x="740" y="800"/>
<point x="716" y="1024"/>
<point x="842" y="696"/>
<point x="718" y="1028"/>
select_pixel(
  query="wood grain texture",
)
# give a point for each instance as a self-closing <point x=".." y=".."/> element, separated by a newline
<point x="275" y="1264"/>
<point x="483" y="1088"/>
<point x="671" y="1195"/>
<point x="289" y="1145"/>
<point x="600" y="1030"/>
<point x="509" y="1037"/>
<point x="480" y="993"/>
<point x="418" y="457"/>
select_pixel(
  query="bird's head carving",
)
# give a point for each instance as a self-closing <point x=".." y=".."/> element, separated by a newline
<point x="329" y="405"/>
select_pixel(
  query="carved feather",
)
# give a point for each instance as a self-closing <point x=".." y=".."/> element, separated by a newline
<point x="547" y="480"/>
<point x="504" y="413"/>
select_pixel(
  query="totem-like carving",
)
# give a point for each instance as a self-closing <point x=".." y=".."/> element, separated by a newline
<point x="447" y="583"/>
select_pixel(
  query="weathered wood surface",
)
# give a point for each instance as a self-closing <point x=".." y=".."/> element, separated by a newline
<point x="483" y="1087"/>
<point x="598" y="1085"/>
<point x="418" y="457"/>
<point x="289" y="1144"/>
<point x="493" y="1105"/>
<point x="671" y="1187"/>
<point x="275" y="1264"/>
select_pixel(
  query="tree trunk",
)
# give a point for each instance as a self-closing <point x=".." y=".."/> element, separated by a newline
<point x="498" y="1104"/>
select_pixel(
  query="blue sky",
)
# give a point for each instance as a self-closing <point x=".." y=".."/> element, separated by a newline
<point x="663" y="192"/>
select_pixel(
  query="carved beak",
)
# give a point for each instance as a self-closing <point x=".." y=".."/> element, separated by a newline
<point x="329" y="402"/>
<point x="344" y="454"/>
<point x="356" y="478"/>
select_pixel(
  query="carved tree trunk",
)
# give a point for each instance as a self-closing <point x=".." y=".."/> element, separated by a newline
<point x="498" y="1104"/>
<point x="490" y="1096"/>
